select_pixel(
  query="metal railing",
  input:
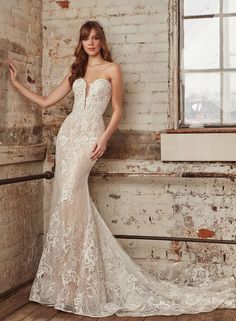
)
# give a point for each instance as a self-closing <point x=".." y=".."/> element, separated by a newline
<point x="11" y="180"/>
<point x="174" y="238"/>
<point x="49" y="175"/>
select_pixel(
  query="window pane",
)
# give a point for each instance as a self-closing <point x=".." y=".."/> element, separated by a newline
<point x="229" y="42"/>
<point x="229" y="115"/>
<point x="201" y="43"/>
<point x="229" y="6"/>
<point x="201" y="7"/>
<point x="202" y="98"/>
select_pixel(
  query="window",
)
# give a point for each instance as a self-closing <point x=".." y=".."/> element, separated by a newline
<point x="207" y="63"/>
<point x="202" y="82"/>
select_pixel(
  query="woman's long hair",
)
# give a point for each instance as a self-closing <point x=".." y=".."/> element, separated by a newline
<point x="78" y="68"/>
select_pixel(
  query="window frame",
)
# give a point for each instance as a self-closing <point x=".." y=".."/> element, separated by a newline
<point x="221" y="70"/>
<point x="174" y="140"/>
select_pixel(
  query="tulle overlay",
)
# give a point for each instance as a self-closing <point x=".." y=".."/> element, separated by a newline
<point x="83" y="268"/>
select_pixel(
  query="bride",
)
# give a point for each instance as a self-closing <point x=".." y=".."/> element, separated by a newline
<point x="83" y="268"/>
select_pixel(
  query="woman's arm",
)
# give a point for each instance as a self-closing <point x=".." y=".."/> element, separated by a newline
<point x="117" y="102"/>
<point x="44" y="101"/>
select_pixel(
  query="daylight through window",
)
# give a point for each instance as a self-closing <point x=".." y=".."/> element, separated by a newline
<point x="207" y="63"/>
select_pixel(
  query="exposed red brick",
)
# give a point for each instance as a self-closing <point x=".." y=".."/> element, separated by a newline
<point x="176" y="247"/>
<point x="30" y="80"/>
<point x="205" y="233"/>
<point x="63" y="4"/>
<point x="67" y="41"/>
<point x="51" y="53"/>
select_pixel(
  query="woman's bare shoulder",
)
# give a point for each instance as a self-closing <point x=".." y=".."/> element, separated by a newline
<point x="113" y="65"/>
<point x="114" y="68"/>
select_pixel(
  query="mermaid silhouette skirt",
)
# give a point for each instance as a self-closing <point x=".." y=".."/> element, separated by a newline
<point x="83" y="269"/>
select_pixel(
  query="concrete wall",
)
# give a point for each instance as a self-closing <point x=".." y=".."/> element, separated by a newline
<point x="139" y="36"/>
<point x="21" y="147"/>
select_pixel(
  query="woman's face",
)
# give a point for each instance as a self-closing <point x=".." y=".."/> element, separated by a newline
<point x="92" y="44"/>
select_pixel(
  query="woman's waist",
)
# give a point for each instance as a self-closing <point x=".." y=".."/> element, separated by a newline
<point x="87" y="114"/>
<point x="89" y="128"/>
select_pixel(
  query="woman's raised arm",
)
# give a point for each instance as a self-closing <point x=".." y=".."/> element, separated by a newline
<point x="44" y="101"/>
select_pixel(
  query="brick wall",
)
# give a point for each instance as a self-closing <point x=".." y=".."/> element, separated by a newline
<point x="21" y="204"/>
<point x="137" y="34"/>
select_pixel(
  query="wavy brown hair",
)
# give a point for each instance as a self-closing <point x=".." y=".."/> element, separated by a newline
<point x="78" y="68"/>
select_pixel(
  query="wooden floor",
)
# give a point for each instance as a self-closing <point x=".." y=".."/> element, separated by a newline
<point x="16" y="307"/>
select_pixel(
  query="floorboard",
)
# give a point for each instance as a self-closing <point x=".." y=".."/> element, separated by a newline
<point x="14" y="301"/>
<point x="17" y="307"/>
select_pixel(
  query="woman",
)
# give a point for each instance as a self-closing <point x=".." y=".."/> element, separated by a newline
<point x="83" y="268"/>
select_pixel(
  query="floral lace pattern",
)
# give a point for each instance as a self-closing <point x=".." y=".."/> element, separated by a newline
<point x="83" y="268"/>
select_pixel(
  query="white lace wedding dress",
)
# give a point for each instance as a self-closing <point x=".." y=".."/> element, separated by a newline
<point x="83" y="268"/>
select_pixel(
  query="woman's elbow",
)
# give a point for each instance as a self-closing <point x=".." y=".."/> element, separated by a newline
<point x="45" y="103"/>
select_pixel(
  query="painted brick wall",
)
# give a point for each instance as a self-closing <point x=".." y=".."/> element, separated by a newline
<point x="168" y="206"/>
<point x="21" y="39"/>
<point x="21" y="227"/>
<point x="21" y="217"/>
<point x="137" y="34"/>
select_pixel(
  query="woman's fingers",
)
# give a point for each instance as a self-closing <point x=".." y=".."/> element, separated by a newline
<point x="94" y="155"/>
<point x="11" y="65"/>
<point x="10" y="61"/>
<point x="97" y="153"/>
<point x="94" y="147"/>
<point x="12" y="69"/>
<point x="98" y="150"/>
<point x="94" y="151"/>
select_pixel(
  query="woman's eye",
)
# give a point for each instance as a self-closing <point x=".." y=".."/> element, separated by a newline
<point x="85" y="39"/>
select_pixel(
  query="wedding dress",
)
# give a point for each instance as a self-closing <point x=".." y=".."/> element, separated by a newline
<point x="83" y="268"/>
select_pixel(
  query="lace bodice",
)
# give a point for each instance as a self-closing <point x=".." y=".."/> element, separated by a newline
<point x="85" y="124"/>
<point x="92" y="99"/>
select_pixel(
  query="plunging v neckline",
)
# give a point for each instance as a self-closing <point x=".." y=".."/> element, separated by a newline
<point x="87" y="91"/>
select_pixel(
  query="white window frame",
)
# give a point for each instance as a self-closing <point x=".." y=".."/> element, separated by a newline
<point x="179" y="144"/>
<point x="221" y="70"/>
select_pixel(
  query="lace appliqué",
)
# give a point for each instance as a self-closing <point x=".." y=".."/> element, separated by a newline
<point x="83" y="268"/>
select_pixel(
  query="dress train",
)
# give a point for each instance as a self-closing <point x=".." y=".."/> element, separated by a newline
<point x="83" y="268"/>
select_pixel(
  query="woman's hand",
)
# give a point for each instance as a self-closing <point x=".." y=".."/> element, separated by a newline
<point x="99" y="148"/>
<point x="12" y="69"/>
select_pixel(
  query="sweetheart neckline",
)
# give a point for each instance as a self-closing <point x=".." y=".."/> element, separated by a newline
<point x="90" y="84"/>
<point x="93" y="80"/>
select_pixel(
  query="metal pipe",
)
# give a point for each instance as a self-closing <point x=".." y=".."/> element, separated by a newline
<point x="49" y="175"/>
<point x="173" y="238"/>
<point x="209" y="175"/>
<point x="11" y="180"/>
<point x="169" y="174"/>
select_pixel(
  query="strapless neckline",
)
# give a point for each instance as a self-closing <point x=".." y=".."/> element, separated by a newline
<point x="91" y="83"/>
